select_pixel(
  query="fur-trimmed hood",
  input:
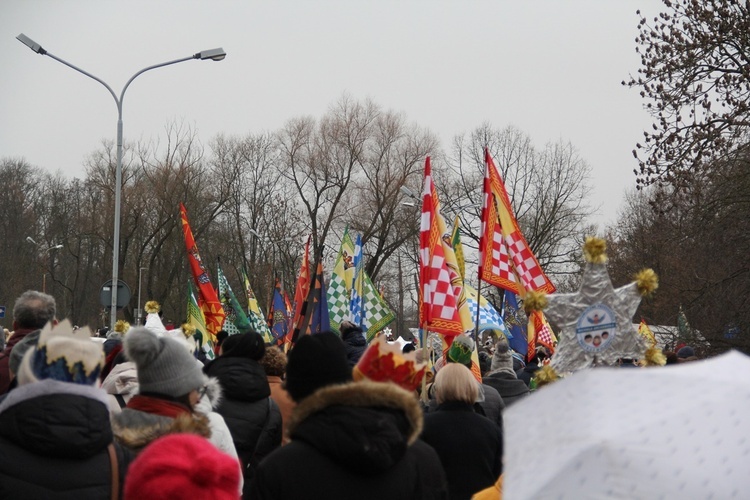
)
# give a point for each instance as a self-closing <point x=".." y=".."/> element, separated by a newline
<point x="136" y="429"/>
<point x="361" y="425"/>
<point x="213" y="396"/>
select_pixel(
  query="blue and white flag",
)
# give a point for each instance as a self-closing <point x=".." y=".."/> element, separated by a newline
<point x="356" y="311"/>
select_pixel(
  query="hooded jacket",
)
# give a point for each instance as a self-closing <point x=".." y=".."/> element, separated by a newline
<point x="254" y="420"/>
<point x="54" y="439"/>
<point x="122" y="381"/>
<point x="355" y="440"/>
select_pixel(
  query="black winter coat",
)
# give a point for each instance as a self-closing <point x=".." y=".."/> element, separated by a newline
<point x="469" y="445"/>
<point x="253" y="418"/>
<point x="54" y="439"/>
<point x="355" y="344"/>
<point x="356" y="440"/>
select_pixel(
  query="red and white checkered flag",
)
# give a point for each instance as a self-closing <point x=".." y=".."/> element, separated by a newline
<point x="438" y="311"/>
<point x="504" y="253"/>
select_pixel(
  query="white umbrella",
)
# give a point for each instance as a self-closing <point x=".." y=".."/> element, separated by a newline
<point x="678" y="431"/>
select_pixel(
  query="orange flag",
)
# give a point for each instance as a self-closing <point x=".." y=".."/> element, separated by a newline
<point x="502" y="247"/>
<point x="209" y="299"/>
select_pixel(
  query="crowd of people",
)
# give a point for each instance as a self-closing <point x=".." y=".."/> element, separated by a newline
<point x="148" y="414"/>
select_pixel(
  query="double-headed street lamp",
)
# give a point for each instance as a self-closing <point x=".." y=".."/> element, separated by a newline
<point x="213" y="55"/>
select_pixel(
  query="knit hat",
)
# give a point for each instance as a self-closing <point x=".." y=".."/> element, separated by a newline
<point x="244" y="345"/>
<point x="63" y="354"/>
<point x="502" y="359"/>
<point x="383" y="362"/>
<point x="461" y="349"/>
<point x="179" y="465"/>
<point x="316" y="361"/>
<point x="164" y="364"/>
<point x="685" y="352"/>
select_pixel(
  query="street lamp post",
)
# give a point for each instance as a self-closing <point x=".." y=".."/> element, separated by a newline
<point x="140" y="311"/>
<point x="213" y="55"/>
<point x="45" y="250"/>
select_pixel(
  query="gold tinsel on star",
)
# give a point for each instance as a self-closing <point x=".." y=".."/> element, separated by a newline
<point x="188" y="330"/>
<point x="654" y="357"/>
<point x="647" y="281"/>
<point x="545" y="375"/>
<point x="122" y="326"/>
<point x="595" y="250"/>
<point x="152" y="306"/>
<point x="534" y="301"/>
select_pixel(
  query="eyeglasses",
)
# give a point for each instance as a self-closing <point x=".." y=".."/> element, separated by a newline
<point x="202" y="391"/>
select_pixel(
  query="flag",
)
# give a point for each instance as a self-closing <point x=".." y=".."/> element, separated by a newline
<point x="515" y="322"/>
<point x="439" y="307"/>
<point x="504" y="254"/>
<point x="254" y="313"/>
<point x="319" y="319"/>
<point x="209" y="300"/>
<point x="377" y="314"/>
<point x="302" y="290"/>
<point x="196" y="319"/>
<point x="646" y="333"/>
<point x="489" y="317"/>
<point x="235" y="319"/>
<point x="539" y="332"/>
<point x="458" y="248"/>
<point x="356" y="313"/>
<point x="341" y="283"/>
<point x="278" y="318"/>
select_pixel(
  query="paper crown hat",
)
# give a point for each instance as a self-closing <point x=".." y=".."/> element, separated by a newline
<point x="384" y="362"/>
<point x="67" y="355"/>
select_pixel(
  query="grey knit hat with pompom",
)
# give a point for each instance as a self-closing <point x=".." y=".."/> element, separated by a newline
<point x="164" y="364"/>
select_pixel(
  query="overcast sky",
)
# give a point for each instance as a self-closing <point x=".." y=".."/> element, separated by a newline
<point x="550" y="68"/>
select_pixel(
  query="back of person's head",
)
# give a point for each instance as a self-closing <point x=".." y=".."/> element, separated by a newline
<point x="182" y="466"/>
<point x="221" y="336"/>
<point x="460" y="350"/>
<point x="316" y="361"/>
<point x="64" y="355"/>
<point x="455" y="382"/>
<point x="408" y="348"/>
<point x="244" y="345"/>
<point x="686" y="353"/>
<point x="349" y="329"/>
<point x="164" y="365"/>
<point x="485" y="362"/>
<point x="33" y="310"/>
<point x="274" y="362"/>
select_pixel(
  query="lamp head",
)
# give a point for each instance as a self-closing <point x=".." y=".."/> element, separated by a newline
<point x="31" y="44"/>
<point x="31" y="240"/>
<point x="213" y="54"/>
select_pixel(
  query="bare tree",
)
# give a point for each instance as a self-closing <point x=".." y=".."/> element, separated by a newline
<point x="695" y="79"/>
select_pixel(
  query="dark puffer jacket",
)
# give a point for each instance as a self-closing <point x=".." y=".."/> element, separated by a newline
<point x="253" y="418"/>
<point x="54" y="439"/>
<point x="355" y="343"/>
<point x="357" y="440"/>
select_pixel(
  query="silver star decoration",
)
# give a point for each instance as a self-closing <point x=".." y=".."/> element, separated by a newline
<point x="595" y="323"/>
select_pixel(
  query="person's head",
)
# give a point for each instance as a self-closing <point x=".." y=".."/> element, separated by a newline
<point x="408" y="348"/>
<point x="455" y="382"/>
<point x="460" y="350"/>
<point x="244" y="345"/>
<point x="671" y="357"/>
<point x="274" y="362"/>
<point x="316" y="361"/>
<point x="221" y="336"/>
<point x="64" y="355"/>
<point x="686" y="354"/>
<point x="165" y="366"/>
<point x="349" y="329"/>
<point x="180" y="465"/>
<point x="485" y="362"/>
<point x="33" y="310"/>
<point x="502" y="359"/>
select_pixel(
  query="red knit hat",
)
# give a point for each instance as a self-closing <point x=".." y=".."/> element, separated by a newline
<point x="180" y="465"/>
